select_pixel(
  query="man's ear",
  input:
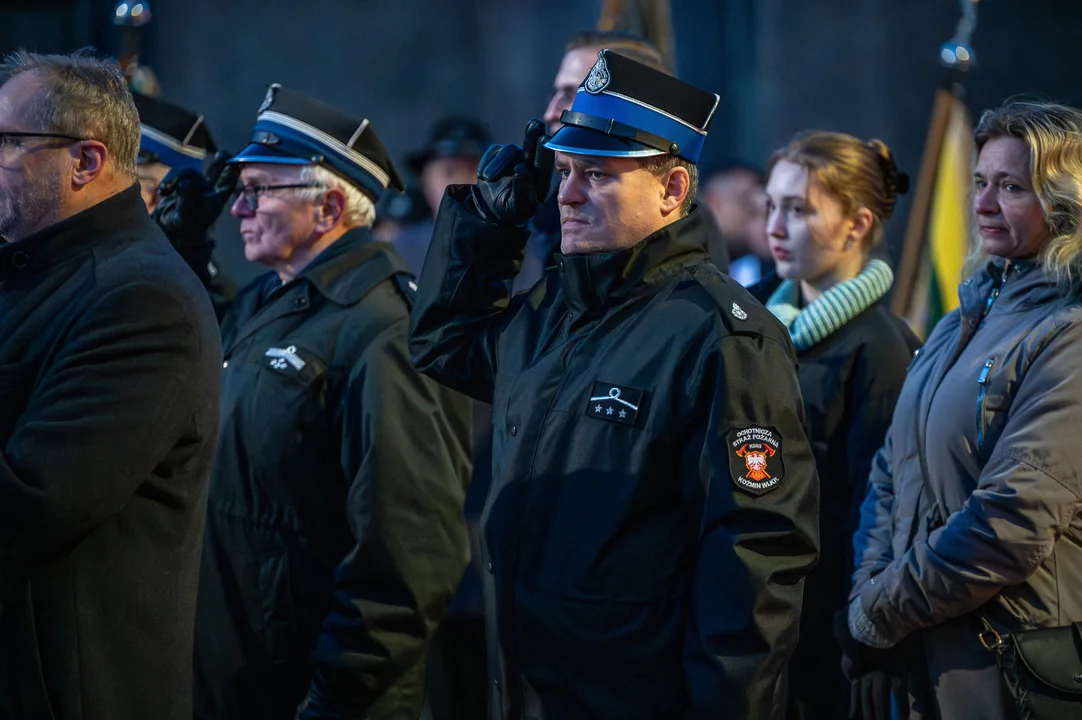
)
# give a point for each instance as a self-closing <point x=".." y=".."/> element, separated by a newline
<point x="331" y="210"/>
<point x="89" y="157"/>
<point x="677" y="184"/>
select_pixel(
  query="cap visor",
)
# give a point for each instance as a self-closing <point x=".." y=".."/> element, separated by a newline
<point x="260" y="153"/>
<point x="581" y="141"/>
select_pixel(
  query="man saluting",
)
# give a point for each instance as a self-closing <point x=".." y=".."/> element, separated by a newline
<point x="639" y="563"/>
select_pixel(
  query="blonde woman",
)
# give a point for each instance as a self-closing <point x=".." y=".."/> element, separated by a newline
<point x="829" y="195"/>
<point x="970" y="531"/>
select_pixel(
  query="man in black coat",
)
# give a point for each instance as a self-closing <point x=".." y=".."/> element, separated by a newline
<point x="654" y="500"/>
<point x="335" y="536"/>
<point x="109" y="374"/>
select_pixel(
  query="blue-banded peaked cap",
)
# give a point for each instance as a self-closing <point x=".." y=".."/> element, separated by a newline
<point x="626" y="109"/>
<point x="293" y="129"/>
<point x="170" y="134"/>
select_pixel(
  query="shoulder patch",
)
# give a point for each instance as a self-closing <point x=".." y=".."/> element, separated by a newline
<point x="755" y="458"/>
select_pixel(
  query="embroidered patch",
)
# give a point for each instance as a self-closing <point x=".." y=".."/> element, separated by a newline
<point x="281" y="358"/>
<point x="614" y="403"/>
<point x="738" y="312"/>
<point x="755" y="459"/>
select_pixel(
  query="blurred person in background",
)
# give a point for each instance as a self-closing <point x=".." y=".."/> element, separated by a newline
<point x="457" y="673"/>
<point x="828" y="197"/>
<point x="175" y="144"/>
<point x="737" y="199"/>
<point x="450" y="157"/>
<point x="970" y="541"/>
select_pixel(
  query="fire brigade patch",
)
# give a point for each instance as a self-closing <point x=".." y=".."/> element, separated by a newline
<point x="755" y="459"/>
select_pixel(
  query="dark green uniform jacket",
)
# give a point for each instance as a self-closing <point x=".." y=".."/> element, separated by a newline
<point x="335" y="535"/>
<point x="654" y="497"/>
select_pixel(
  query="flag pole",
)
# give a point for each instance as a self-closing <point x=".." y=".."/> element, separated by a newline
<point x="957" y="57"/>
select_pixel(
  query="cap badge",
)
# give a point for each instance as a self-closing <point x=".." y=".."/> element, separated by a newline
<point x="272" y="91"/>
<point x="599" y="76"/>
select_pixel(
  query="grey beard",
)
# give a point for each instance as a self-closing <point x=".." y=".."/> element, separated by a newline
<point x="37" y="209"/>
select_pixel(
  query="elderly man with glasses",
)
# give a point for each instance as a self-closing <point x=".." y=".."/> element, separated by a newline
<point x="335" y="534"/>
<point x="109" y="381"/>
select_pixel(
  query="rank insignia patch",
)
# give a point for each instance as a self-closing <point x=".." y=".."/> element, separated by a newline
<point x="614" y="403"/>
<point x="755" y="459"/>
<point x="282" y="358"/>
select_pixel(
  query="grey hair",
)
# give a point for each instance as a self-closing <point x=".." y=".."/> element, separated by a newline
<point x="661" y="164"/>
<point x="83" y="96"/>
<point x="360" y="211"/>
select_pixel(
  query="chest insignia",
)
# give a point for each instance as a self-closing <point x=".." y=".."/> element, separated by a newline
<point x="614" y="403"/>
<point x="282" y="358"/>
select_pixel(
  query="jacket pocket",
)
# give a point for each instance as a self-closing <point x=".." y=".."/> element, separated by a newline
<point x="279" y="613"/>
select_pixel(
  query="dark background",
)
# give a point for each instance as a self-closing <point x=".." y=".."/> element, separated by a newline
<point x="868" y="67"/>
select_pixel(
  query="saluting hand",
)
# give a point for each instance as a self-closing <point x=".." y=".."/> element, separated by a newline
<point x="512" y="181"/>
<point x="190" y="202"/>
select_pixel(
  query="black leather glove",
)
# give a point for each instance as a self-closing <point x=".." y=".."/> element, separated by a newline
<point x="320" y="703"/>
<point x="189" y="202"/>
<point x="857" y="658"/>
<point x="869" y="697"/>
<point x="867" y="670"/>
<point x="513" y="181"/>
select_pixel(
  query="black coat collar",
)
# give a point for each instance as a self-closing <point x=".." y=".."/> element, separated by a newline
<point x="598" y="280"/>
<point x="33" y="256"/>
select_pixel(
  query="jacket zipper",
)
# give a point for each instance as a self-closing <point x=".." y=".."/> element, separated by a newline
<point x="983" y="382"/>
<point x="994" y="294"/>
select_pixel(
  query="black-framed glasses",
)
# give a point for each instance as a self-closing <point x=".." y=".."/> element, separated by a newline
<point x="251" y="193"/>
<point x="9" y="141"/>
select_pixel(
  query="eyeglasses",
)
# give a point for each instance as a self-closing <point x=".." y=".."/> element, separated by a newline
<point x="10" y="142"/>
<point x="250" y="193"/>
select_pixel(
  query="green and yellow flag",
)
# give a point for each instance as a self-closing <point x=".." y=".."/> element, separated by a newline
<point x="948" y="225"/>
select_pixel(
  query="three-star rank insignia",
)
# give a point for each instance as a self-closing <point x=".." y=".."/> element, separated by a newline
<point x="755" y="458"/>
<point x="614" y="403"/>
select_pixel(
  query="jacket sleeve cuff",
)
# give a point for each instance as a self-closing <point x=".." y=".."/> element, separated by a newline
<point x="862" y="628"/>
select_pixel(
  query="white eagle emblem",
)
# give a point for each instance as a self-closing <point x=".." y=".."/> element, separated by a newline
<point x="599" y="76"/>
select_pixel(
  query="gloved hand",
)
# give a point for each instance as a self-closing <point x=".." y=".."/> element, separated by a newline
<point x="512" y="182"/>
<point x="857" y="659"/>
<point x="869" y="697"/>
<point x="867" y="670"/>
<point x="321" y="704"/>
<point x="189" y="202"/>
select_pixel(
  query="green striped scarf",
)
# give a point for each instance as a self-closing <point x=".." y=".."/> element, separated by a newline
<point x="833" y="309"/>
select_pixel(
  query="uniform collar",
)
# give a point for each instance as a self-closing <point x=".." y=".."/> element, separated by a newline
<point x="595" y="281"/>
<point x="74" y="236"/>
<point x="344" y="272"/>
